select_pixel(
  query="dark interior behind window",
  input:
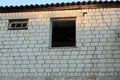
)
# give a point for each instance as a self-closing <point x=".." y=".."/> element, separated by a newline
<point x="63" y="33"/>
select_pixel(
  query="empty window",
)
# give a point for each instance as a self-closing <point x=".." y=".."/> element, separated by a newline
<point x="64" y="32"/>
<point x="18" y="24"/>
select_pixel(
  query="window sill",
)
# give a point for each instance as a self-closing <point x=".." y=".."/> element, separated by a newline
<point x="17" y="28"/>
<point x="62" y="47"/>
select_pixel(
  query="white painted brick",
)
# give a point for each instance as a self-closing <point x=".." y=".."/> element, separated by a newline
<point x="46" y="65"/>
<point x="32" y="70"/>
<point x="106" y="17"/>
<point x="41" y="61"/>
<point x="87" y="61"/>
<point x="83" y="48"/>
<point x="88" y="56"/>
<point x="112" y="12"/>
<point x="3" y="70"/>
<point x="18" y="62"/>
<point x="79" y="70"/>
<point x="102" y="60"/>
<point x="71" y="61"/>
<point x="40" y="70"/>
<point x="63" y="61"/>
<point x="63" y="70"/>
<point x="64" y="65"/>
<point x="37" y="66"/>
<point x="56" y="61"/>
<point x="46" y="57"/>
<point x="91" y="52"/>
<point x="103" y="69"/>
<point x="3" y="58"/>
<point x="10" y="66"/>
<point x="110" y="60"/>
<point x="99" y="48"/>
<point x="86" y="69"/>
<point x="56" y="70"/>
<point x="94" y="44"/>
<point x="71" y="69"/>
<point x="101" y="65"/>
<point x="111" y="69"/>
<point x="54" y="57"/>
<point x="100" y="56"/>
<point x="25" y="70"/>
<point x="10" y="70"/>
<point x="111" y="39"/>
<point x="5" y="62"/>
<point x="25" y="62"/>
<point x="66" y="57"/>
<point x="17" y="70"/>
<point x="78" y="61"/>
<point x="11" y="62"/>
<point x="54" y="65"/>
<point x="73" y="57"/>
<point x="24" y="66"/>
<point x="27" y="52"/>
<point x="88" y="65"/>
<point x="95" y="40"/>
<point x="113" y="16"/>
<point x="81" y="57"/>
<point x="72" y="65"/>
<point x="48" y="70"/>
<point x="108" y="20"/>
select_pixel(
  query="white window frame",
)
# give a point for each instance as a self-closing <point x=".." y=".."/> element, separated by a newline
<point x="18" y="21"/>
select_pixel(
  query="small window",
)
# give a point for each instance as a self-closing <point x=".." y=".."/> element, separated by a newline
<point x="64" y="32"/>
<point x="18" y="24"/>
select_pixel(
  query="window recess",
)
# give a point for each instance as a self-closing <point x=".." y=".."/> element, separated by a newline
<point x="18" y="24"/>
<point x="63" y="32"/>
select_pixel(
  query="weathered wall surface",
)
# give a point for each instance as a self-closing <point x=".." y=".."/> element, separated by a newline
<point x="27" y="55"/>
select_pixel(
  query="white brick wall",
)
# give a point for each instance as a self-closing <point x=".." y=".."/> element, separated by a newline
<point x="28" y="53"/>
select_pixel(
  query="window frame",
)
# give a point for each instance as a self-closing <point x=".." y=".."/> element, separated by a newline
<point x="51" y="29"/>
<point x="18" y="21"/>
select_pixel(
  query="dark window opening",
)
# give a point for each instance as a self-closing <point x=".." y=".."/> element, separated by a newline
<point x="24" y="25"/>
<point x="18" y="25"/>
<point x="13" y="25"/>
<point x="63" y="33"/>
